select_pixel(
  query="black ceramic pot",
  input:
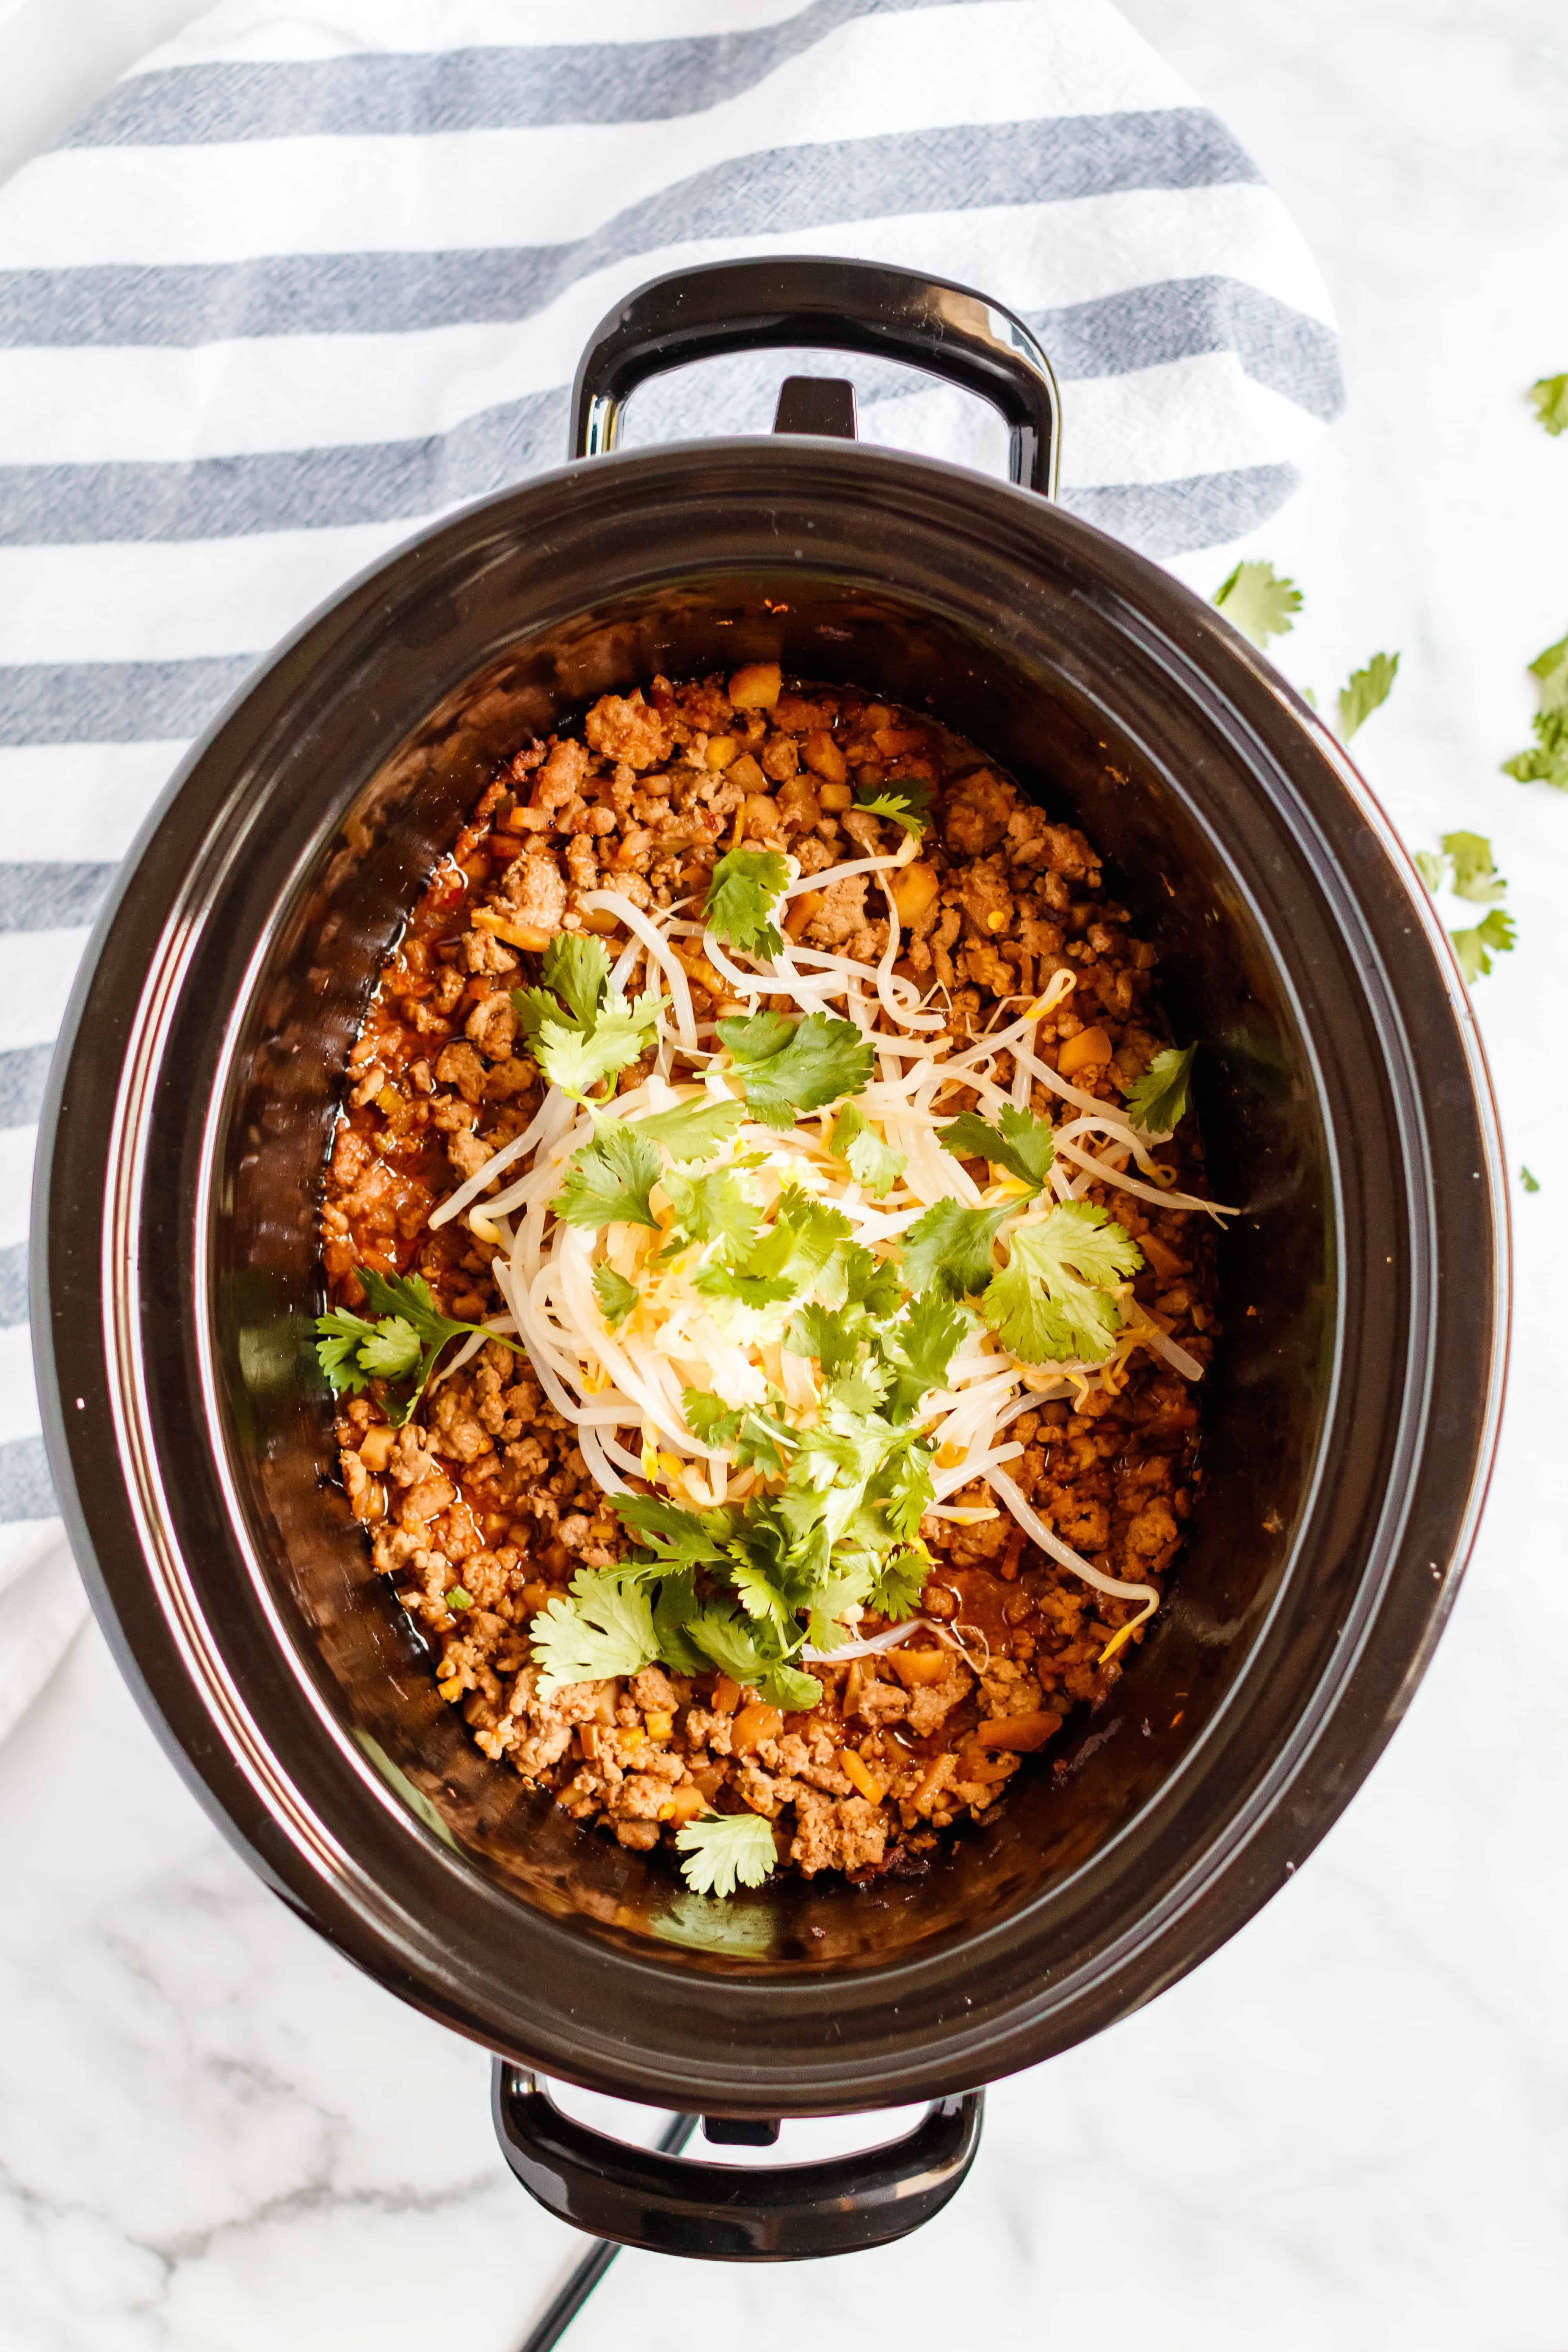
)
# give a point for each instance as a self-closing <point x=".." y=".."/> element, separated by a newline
<point x="1352" y="1410"/>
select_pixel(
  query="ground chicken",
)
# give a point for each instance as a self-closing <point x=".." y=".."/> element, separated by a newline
<point x="482" y="1507"/>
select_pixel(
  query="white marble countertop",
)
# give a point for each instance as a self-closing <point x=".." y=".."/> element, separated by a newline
<point x="1350" y="2128"/>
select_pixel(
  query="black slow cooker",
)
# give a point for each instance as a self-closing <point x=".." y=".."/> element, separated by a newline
<point x="1350" y="1414"/>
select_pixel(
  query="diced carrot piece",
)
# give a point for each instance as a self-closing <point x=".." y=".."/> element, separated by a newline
<point x="753" y="1725"/>
<point x="1022" y="1734"/>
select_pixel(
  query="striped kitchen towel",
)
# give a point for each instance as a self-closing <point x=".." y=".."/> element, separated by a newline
<point x="309" y="276"/>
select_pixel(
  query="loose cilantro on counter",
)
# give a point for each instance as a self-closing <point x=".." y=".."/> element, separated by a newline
<point x="1548" y="763"/>
<point x="1468" y="868"/>
<point x="399" y="1340"/>
<point x="1259" y="603"/>
<point x="1366" y="691"/>
<point x="1550" y="395"/>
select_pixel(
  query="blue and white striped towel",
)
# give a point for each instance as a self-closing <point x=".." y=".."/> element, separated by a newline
<point x="304" y="280"/>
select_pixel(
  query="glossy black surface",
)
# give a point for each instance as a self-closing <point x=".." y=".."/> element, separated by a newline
<point x="1353" y="1400"/>
<point x="801" y="303"/>
<point x="726" y="2212"/>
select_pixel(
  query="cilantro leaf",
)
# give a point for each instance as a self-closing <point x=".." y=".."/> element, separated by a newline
<point x="760" y="1440"/>
<point x="1531" y="1183"/>
<point x="741" y="899"/>
<point x="392" y="1350"/>
<point x="1550" y="394"/>
<point x="1550" y="668"/>
<point x="1157" y="1102"/>
<point x="578" y="970"/>
<point x="579" y="1029"/>
<point x="408" y="1333"/>
<point x="1021" y="1141"/>
<point x="715" y="1280"/>
<point x="790" y="1687"/>
<point x="833" y="1337"/>
<point x="709" y="1208"/>
<point x="576" y="1063"/>
<point x="616" y="1294"/>
<point x="802" y="1240"/>
<point x="856" y="1277"/>
<point x="1053" y="1301"/>
<point x="1476" y="948"/>
<point x="1259" y="603"/>
<point x="822" y="1059"/>
<point x="1475" y="876"/>
<point x="677" y="1537"/>
<point x="920" y="1349"/>
<point x="950" y="1248"/>
<point x="900" y="1584"/>
<point x="675" y="1605"/>
<point x="1431" y="868"/>
<point x="843" y="1589"/>
<point x="607" y="1182"/>
<point x="731" y="1644"/>
<point x="1548" y="763"/>
<point x="603" y="1627"/>
<point x="724" y="1850"/>
<point x="873" y="1163"/>
<point x="342" y="1334"/>
<point x="755" y="1036"/>
<point x="906" y="1490"/>
<point x="1366" y="690"/>
<point x="905" y="800"/>
<point x="695" y="1129"/>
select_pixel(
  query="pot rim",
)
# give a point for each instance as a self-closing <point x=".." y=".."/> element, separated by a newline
<point x="307" y="1865"/>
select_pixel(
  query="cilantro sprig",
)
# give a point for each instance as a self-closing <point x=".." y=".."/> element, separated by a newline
<point x="789" y="1066"/>
<point x="579" y="1029"/>
<point x="603" y="1627"/>
<point x="874" y="1164"/>
<point x="903" y="799"/>
<point x="1549" y="394"/>
<point x="1259" y="603"/>
<point x="1465" y="865"/>
<point x="1366" y="690"/>
<point x="1157" y="1102"/>
<point x="398" y="1341"/>
<point x="743" y="899"/>
<point x="1548" y="762"/>
<point x="724" y="1850"/>
<point x="1020" y="1142"/>
<point x="1054" y="1300"/>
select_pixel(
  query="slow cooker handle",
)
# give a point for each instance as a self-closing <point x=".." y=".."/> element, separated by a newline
<point x="806" y="301"/>
<point x="730" y="2213"/>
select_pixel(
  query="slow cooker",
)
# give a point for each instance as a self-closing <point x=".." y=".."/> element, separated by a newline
<point x="1351" y="1413"/>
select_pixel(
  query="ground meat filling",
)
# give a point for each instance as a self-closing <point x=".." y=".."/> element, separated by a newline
<point x="482" y="1509"/>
